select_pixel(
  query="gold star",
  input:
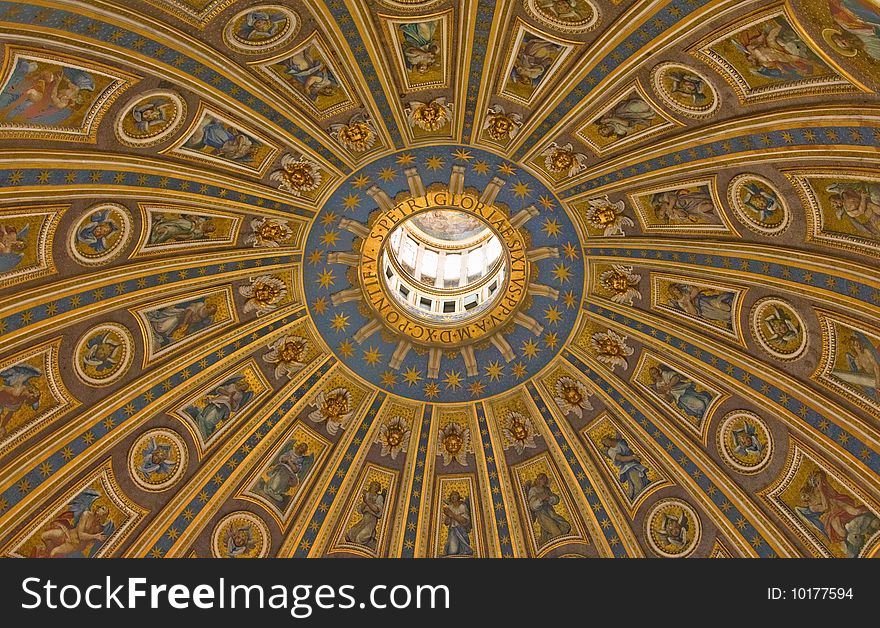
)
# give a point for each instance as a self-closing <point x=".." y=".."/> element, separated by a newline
<point x="561" y="272"/>
<point x="405" y="159"/>
<point x="530" y="348"/>
<point x="339" y="322"/>
<point x="351" y="201"/>
<point x="452" y="380"/>
<point x="570" y="250"/>
<point x="346" y="348"/>
<point x="546" y="202"/>
<point x="389" y="379"/>
<point x="326" y="278"/>
<point x="521" y="190"/>
<point x="372" y="356"/>
<point x="387" y="174"/>
<point x="434" y="162"/>
<point x="462" y="154"/>
<point x="412" y="376"/>
<point x="519" y="370"/>
<point x="431" y="390"/>
<point x="360" y="181"/>
<point x="552" y="227"/>
<point x="481" y="167"/>
<point x="477" y="388"/>
<point x="494" y="371"/>
<point x="506" y="169"/>
<point x="552" y="314"/>
<point x="320" y="305"/>
<point x="329" y="238"/>
<point x="316" y="257"/>
<point x="328" y="219"/>
<point x="551" y="339"/>
<point x="569" y="299"/>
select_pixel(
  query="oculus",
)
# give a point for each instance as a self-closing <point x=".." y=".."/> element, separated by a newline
<point x="422" y="310"/>
<point x="444" y="265"/>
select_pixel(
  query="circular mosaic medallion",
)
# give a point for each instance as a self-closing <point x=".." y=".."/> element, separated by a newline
<point x="567" y="16"/>
<point x="261" y="29"/>
<point x="758" y="204"/>
<point x="103" y="354"/>
<point x="150" y="118"/>
<point x="744" y="442"/>
<point x="444" y="274"/>
<point x="100" y="235"/>
<point x="673" y="528"/>
<point x="684" y="90"/>
<point x="240" y="534"/>
<point x="157" y="459"/>
<point x="778" y="329"/>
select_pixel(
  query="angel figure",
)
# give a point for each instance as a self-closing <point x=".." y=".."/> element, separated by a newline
<point x="859" y="204"/>
<point x="684" y="206"/>
<point x="311" y="73"/>
<point x="775" y="54"/>
<point x="371" y="508"/>
<point x="239" y="541"/>
<point x="45" y="94"/>
<point x="631" y="473"/>
<point x="180" y="228"/>
<point x="95" y="235"/>
<point x="533" y="59"/>
<point x="152" y="113"/>
<point x="626" y="117"/>
<point x="457" y="519"/>
<point x="157" y="459"/>
<point x="746" y="441"/>
<point x="17" y="391"/>
<point x="79" y="531"/>
<point x="420" y="49"/>
<point x="225" y="141"/>
<point x="103" y="353"/>
<point x="221" y="404"/>
<point x="680" y="391"/>
<point x="173" y="322"/>
<point x="765" y="204"/>
<point x="674" y="530"/>
<point x="261" y="25"/>
<point x="542" y="503"/>
<point x="862" y="365"/>
<point x="782" y="328"/>
<point x="689" y="86"/>
<point x="12" y="246"/>
<point x="704" y="303"/>
<point x="288" y="471"/>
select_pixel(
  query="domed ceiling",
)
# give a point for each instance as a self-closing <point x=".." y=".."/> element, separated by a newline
<point x="439" y="278"/>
